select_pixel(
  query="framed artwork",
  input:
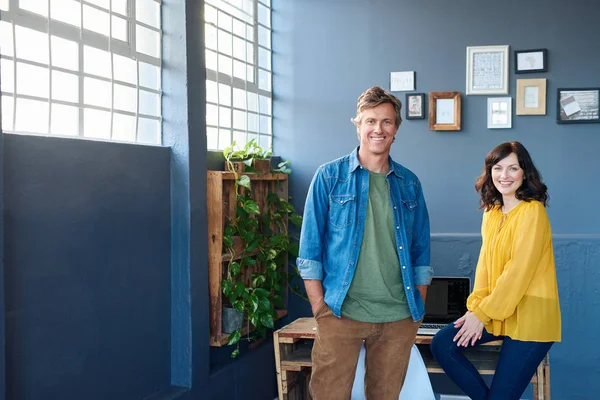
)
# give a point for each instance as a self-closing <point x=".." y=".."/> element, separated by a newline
<point x="531" y="96"/>
<point x="487" y="70"/>
<point x="528" y="61"/>
<point x="499" y="112"/>
<point x="444" y="111"/>
<point x="576" y="106"/>
<point x="402" y="81"/>
<point x="415" y="106"/>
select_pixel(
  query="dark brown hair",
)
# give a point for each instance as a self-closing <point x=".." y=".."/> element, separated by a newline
<point x="532" y="188"/>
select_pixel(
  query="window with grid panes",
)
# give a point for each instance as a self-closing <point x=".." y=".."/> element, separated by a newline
<point x="82" y="68"/>
<point x="238" y="72"/>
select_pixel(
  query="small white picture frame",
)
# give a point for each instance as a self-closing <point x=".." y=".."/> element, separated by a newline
<point x="402" y="81"/>
<point x="487" y="70"/>
<point x="499" y="112"/>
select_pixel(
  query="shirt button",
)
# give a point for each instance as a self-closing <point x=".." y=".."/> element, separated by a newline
<point x="404" y="267"/>
<point x="400" y="247"/>
<point x="351" y="262"/>
<point x="397" y="227"/>
<point x="346" y="283"/>
<point x="394" y="207"/>
<point x="408" y="288"/>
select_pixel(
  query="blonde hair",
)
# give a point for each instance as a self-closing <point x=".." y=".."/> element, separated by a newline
<point x="373" y="97"/>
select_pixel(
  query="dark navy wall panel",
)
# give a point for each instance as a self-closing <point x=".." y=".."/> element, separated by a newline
<point x="87" y="240"/>
<point x="327" y="52"/>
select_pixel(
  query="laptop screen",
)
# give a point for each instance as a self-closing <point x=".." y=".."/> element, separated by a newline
<point x="446" y="299"/>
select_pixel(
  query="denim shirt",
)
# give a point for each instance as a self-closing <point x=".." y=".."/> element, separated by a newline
<point x="333" y="226"/>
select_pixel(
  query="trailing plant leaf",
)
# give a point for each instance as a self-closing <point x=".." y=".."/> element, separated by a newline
<point x="251" y="207"/>
<point x="244" y="181"/>
<point x="234" y="338"/>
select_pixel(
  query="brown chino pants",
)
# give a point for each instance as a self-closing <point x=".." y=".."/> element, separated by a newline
<point x="337" y="347"/>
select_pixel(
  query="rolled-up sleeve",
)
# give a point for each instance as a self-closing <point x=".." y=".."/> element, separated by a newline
<point x="421" y="243"/>
<point x="312" y="236"/>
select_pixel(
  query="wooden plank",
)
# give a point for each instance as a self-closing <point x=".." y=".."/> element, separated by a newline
<point x="229" y="176"/>
<point x="302" y="328"/>
<point x="215" y="245"/>
<point x="299" y="357"/>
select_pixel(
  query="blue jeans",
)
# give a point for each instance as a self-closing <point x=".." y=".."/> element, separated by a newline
<point x="517" y="363"/>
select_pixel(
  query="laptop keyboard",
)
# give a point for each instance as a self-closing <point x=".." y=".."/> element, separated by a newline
<point x="433" y="326"/>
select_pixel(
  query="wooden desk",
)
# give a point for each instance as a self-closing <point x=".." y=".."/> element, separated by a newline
<point x="293" y="346"/>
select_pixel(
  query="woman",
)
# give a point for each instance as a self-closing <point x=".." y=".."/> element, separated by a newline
<point x="515" y="295"/>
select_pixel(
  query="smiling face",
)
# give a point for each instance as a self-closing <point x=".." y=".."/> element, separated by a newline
<point x="507" y="176"/>
<point x="376" y="130"/>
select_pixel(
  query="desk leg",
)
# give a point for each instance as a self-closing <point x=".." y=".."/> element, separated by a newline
<point x="278" y="364"/>
<point x="547" y="382"/>
<point x="540" y="383"/>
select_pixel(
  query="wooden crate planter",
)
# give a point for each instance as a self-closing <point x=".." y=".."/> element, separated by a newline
<point x="220" y="205"/>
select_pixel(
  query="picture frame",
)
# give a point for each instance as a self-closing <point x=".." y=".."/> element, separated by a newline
<point x="415" y="106"/>
<point x="499" y="112"/>
<point x="531" y="96"/>
<point x="578" y="105"/>
<point x="444" y="111"/>
<point x="402" y="81"/>
<point x="530" y="61"/>
<point x="487" y="70"/>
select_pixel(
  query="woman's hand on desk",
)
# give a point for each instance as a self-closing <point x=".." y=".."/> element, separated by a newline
<point x="470" y="331"/>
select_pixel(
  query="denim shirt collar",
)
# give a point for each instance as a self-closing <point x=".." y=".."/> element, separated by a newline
<point x="355" y="163"/>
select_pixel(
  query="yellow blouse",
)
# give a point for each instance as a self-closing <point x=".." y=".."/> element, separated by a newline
<point x="515" y="292"/>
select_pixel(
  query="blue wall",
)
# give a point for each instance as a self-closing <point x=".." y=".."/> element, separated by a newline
<point x="327" y="52"/>
<point x="87" y="234"/>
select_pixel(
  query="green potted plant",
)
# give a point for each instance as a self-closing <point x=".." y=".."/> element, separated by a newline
<point x="258" y="242"/>
<point x="251" y="158"/>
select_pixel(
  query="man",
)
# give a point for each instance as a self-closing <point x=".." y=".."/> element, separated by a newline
<point x="364" y="249"/>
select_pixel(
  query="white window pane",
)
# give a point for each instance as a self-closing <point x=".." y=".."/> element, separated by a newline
<point x="224" y="138"/>
<point x="96" y="61"/>
<point x="239" y="137"/>
<point x="64" y="121"/>
<point x="96" y="92"/>
<point x="31" y="45"/>
<point x="239" y="120"/>
<point x="239" y="28"/>
<point x="224" y="95"/>
<point x="4" y="5"/>
<point x="239" y="98"/>
<point x="265" y="105"/>
<point x="250" y="53"/>
<point x="211" y="60"/>
<point x="210" y="37"/>
<point x="32" y="80"/>
<point x="125" y="98"/>
<point x="239" y="70"/>
<point x="119" y="29"/>
<point x="265" y="124"/>
<point x="210" y="14"/>
<point x="149" y="76"/>
<point x="6" y="39"/>
<point x="264" y="141"/>
<point x="124" y="69"/>
<point x="148" y="41"/>
<point x="224" y="117"/>
<point x="264" y="15"/>
<point x="7" y="113"/>
<point x="264" y="58"/>
<point x="96" y="20"/>
<point x="252" y="122"/>
<point x="65" y="86"/>
<point x="239" y="48"/>
<point x="148" y="131"/>
<point x="252" y="102"/>
<point x="264" y="37"/>
<point x="123" y="128"/>
<point x="7" y="76"/>
<point x="252" y="136"/>
<point x="148" y="12"/>
<point x="225" y="64"/>
<point x="26" y="110"/>
<point x="250" y="33"/>
<point x="35" y="6"/>
<point x="120" y="6"/>
<point x="212" y="138"/>
<point x="149" y="103"/>
<point x="67" y="11"/>
<point x="264" y="80"/>
<point x="96" y="124"/>
<point x="101" y="3"/>
<point x="224" y="21"/>
<point x="212" y="94"/>
<point x="65" y="53"/>
<point x="212" y="115"/>
<point x="224" y="39"/>
<point x="250" y="74"/>
<point x="266" y="2"/>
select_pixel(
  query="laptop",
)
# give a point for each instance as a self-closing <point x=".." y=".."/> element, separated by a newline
<point x="446" y="302"/>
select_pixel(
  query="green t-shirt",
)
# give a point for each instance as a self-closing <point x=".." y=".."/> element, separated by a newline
<point x="377" y="290"/>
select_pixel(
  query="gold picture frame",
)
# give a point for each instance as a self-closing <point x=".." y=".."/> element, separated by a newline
<point x="531" y="96"/>
<point x="444" y="111"/>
